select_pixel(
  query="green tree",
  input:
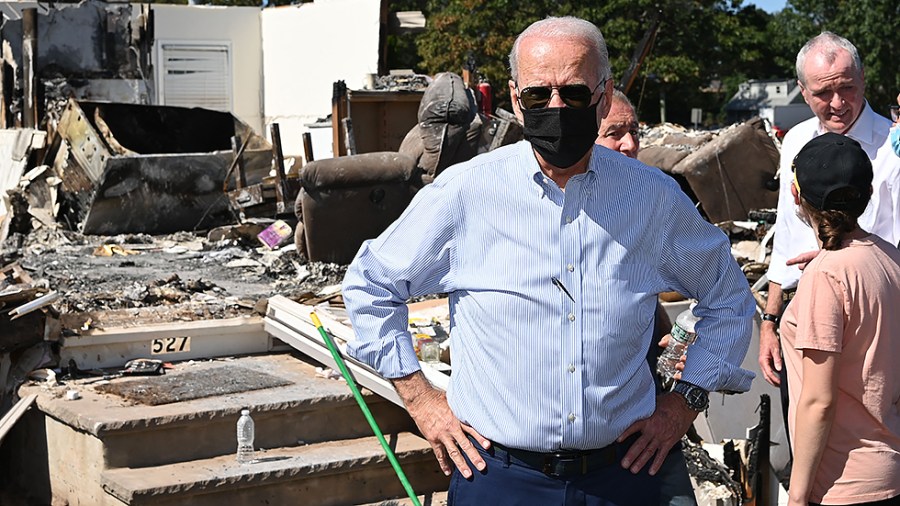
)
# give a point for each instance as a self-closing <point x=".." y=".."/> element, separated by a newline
<point x="699" y="42"/>
<point x="869" y="24"/>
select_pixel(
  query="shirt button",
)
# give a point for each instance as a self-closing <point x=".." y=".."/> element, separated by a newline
<point x="568" y="219"/>
<point x="571" y="317"/>
<point x="570" y="267"/>
<point x="571" y="367"/>
<point x="571" y="417"/>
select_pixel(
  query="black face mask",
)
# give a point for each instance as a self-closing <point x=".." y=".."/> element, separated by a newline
<point x="561" y="135"/>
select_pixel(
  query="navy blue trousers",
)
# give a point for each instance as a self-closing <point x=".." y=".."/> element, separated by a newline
<point x="505" y="483"/>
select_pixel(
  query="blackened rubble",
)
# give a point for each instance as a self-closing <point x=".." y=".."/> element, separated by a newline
<point x="228" y="277"/>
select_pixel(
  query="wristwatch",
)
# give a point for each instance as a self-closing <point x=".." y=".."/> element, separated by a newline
<point x="697" y="398"/>
<point x="769" y="317"/>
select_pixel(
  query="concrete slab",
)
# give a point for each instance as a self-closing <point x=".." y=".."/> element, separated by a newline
<point x="188" y="385"/>
<point x="98" y="413"/>
<point x="223" y="475"/>
<point x="100" y="450"/>
<point x="302" y="412"/>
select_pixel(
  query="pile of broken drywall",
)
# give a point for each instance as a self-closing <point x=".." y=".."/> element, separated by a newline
<point x="729" y="172"/>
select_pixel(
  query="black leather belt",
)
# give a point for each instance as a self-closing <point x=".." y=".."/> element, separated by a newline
<point x="562" y="463"/>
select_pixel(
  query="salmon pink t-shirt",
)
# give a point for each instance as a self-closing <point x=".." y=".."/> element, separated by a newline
<point x="848" y="302"/>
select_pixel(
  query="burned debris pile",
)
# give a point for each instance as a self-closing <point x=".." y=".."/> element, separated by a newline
<point x="125" y="218"/>
<point x="121" y="212"/>
<point x="729" y="172"/>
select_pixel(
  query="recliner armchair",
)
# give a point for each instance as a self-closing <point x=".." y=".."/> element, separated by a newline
<point x="346" y="200"/>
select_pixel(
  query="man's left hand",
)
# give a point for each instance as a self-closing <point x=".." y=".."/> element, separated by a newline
<point x="658" y="434"/>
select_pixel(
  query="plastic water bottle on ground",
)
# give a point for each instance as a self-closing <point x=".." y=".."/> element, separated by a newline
<point x="683" y="334"/>
<point x="245" y="435"/>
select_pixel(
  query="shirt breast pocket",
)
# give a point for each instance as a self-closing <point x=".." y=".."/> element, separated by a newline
<point x="626" y="301"/>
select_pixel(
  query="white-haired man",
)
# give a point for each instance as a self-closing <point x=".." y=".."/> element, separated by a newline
<point x="619" y="130"/>
<point x="832" y="81"/>
<point x="553" y="262"/>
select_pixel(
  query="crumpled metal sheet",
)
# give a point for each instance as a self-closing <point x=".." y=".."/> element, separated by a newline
<point x="151" y="169"/>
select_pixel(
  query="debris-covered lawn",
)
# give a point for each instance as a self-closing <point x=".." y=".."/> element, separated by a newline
<point x="130" y="271"/>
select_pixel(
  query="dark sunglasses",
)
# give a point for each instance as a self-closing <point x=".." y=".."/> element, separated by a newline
<point x="576" y="96"/>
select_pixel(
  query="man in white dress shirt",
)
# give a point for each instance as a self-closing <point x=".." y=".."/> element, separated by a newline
<point x="832" y="81"/>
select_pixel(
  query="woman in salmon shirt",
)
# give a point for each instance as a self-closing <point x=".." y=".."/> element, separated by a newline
<point x="841" y="337"/>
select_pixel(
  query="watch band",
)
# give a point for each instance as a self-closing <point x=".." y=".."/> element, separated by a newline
<point x="769" y="317"/>
<point x="697" y="398"/>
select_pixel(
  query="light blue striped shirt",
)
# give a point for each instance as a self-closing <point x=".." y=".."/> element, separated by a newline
<point x="533" y="369"/>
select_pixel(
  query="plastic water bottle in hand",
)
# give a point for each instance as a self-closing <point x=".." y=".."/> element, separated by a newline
<point x="245" y="435"/>
<point x="683" y="334"/>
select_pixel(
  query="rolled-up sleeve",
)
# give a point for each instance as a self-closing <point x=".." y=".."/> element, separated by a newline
<point x="411" y="258"/>
<point x="696" y="259"/>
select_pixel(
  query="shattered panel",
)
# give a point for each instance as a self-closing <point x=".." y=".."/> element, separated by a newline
<point x="152" y="169"/>
<point x="160" y="195"/>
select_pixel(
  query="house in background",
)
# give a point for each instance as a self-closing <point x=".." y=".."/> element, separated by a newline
<point x="268" y="65"/>
<point x="777" y="100"/>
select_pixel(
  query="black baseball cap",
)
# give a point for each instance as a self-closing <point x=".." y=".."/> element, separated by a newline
<point x="833" y="162"/>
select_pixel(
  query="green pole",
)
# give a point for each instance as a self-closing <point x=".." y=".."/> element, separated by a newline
<point x="365" y="409"/>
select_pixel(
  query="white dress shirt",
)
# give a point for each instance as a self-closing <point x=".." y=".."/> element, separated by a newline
<point x="881" y="217"/>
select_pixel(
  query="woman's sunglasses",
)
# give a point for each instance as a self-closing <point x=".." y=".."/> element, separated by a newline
<point x="576" y="96"/>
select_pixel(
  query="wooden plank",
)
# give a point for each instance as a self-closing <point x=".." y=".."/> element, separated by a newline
<point x="294" y="317"/>
<point x="338" y="113"/>
<point x="113" y="347"/>
<point x="307" y="147"/>
<point x="386" y="96"/>
<point x="14" y="273"/>
<point x="364" y="377"/>
<point x="240" y="180"/>
<point x="13" y="415"/>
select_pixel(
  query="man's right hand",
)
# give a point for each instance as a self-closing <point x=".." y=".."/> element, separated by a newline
<point x="428" y="407"/>
<point x="769" y="345"/>
<point x="803" y="259"/>
<point x="769" y="353"/>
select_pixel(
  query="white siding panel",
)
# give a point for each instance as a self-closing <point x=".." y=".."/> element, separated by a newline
<point x="196" y="76"/>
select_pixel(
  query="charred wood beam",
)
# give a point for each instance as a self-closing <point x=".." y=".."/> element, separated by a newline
<point x="29" y="56"/>
<point x="307" y="147"/>
<point x="338" y="113"/>
<point x="240" y="179"/>
<point x="281" y="193"/>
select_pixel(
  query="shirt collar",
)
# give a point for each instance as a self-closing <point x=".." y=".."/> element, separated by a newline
<point x="863" y="130"/>
<point x="533" y="167"/>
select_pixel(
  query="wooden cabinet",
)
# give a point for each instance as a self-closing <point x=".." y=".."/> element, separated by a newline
<point x="366" y="121"/>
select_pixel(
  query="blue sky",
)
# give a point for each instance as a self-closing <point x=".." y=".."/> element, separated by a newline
<point x="769" y="6"/>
